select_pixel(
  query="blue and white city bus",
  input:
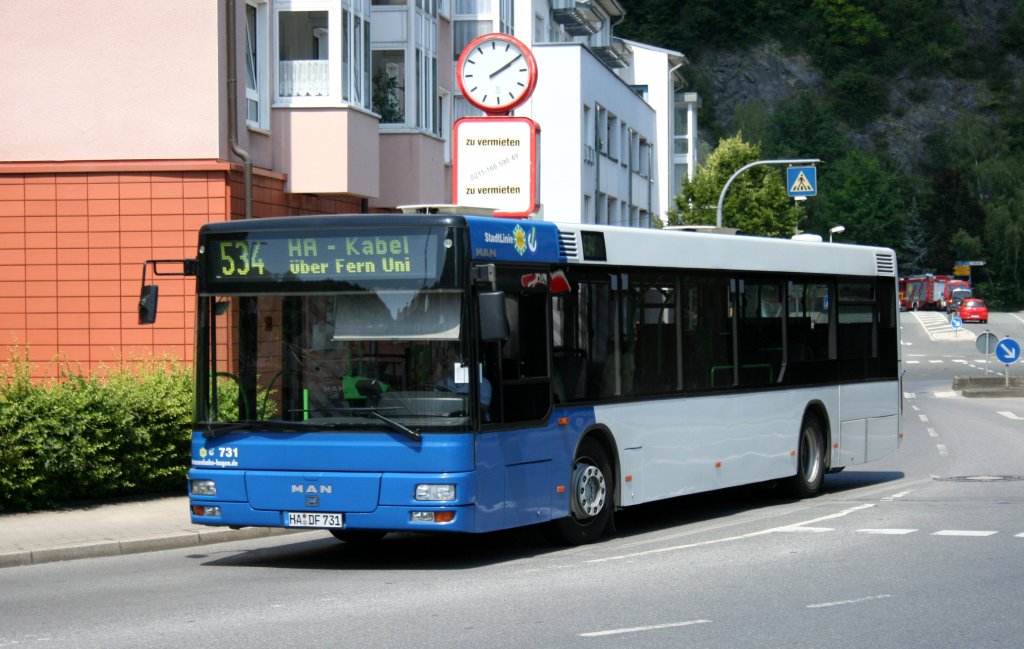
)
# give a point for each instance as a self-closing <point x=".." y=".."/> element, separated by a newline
<point x="455" y="373"/>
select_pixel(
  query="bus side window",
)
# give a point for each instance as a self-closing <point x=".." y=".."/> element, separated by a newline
<point x="707" y="333"/>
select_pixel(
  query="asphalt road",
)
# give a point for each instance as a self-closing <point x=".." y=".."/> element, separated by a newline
<point x="924" y="548"/>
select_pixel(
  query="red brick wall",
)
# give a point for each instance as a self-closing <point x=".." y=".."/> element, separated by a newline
<point x="73" y="239"/>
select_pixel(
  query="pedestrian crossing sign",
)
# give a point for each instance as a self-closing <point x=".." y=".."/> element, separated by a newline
<point x="802" y="181"/>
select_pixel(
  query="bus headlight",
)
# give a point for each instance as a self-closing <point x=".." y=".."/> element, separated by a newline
<point x="435" y="492"/>
<point x="203" y="487"/>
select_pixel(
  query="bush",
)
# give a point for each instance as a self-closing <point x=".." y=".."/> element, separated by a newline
<point x="124" y="432"/>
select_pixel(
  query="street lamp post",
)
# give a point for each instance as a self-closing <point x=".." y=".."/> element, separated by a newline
<point x="835" y="230"/>
<point x="721" y="197"/>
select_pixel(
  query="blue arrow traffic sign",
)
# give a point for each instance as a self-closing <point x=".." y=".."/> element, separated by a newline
<point x="1008" y="351"/>
<point x="956" y="322"/>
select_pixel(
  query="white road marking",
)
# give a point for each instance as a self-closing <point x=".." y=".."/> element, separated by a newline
<point x="739" y="537"/>
<point x="796" y="528"/>
<point x="638" y="629"/>
<point x="964" y="533"/>
<point x="942" y="449"/>
<point x="1008" y="414"/>
<point x="889" y="531"/>
<point x="848" y="601"/>
<point x="895" y="496"/>
<point x="931" y="432"/>
<point x="923" y="417"/>
<point x="946" y="394"/>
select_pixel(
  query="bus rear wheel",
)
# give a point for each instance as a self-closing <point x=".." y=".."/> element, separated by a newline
<point x="591" y="498"/>
<point x="810" y="465"/>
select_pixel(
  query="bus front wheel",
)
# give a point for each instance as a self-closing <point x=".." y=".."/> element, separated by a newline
<point x="591" y="498"/>
<point x="810" y="465"/>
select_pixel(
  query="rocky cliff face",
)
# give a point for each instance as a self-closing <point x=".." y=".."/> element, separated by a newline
<point x="918" y="107"/>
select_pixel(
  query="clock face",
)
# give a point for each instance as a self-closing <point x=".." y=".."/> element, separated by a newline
<point x="497" y="73"/>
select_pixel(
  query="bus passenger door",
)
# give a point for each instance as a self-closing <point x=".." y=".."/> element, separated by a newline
<point x="518" y="368"/>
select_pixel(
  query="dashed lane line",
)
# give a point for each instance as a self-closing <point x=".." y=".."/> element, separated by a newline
<point x="846" y="602"/>
<point x="639" y="629"/>
<point x="728" y="539"/>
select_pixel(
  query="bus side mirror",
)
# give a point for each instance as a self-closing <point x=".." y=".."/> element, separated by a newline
<point x="147" y="304"/>
<point x="493" y="318"/>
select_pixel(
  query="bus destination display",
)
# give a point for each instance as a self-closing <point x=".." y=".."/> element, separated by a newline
<point x="264" y="257"/>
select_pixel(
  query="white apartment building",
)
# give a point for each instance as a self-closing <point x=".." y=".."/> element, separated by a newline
<point x="608" y="109"/>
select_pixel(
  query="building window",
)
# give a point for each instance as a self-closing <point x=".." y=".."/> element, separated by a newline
<point x="304" y="68"/>
<point x="389" y="85"/>
<point x="355" y="51"/>
<point x="257" y="92"/>
<point x="465" y="31"/>
<point x="443" y="124"/>
<point x="472" y="6"/>
<point x="405" y="91"/>
<point x="323" y="52"/>
<point x="426" y="90"/>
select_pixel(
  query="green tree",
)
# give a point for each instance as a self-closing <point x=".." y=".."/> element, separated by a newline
<point x="869" y="197"/>
<point x="756" y="203"/>
<point x="950" y="205"/>
<point x="850" y="30"/>
<point x="805" y="127"/>
<point x="1004" y="249"/>
<point x="913" y="246"/>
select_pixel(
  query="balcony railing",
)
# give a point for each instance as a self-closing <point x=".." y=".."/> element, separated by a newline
<point x="311" y="78"/>
<point x="578" y="18"/>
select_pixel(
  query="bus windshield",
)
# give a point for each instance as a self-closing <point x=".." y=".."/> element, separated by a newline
<point x="361" y="350"/>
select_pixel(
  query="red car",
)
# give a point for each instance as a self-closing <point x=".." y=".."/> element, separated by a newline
<point x="973" y="310"/>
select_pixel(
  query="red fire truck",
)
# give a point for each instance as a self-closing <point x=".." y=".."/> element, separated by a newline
<point x="931" y="291"/>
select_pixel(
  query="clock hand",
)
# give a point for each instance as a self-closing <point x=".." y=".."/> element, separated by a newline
<point x="505" y="67"/>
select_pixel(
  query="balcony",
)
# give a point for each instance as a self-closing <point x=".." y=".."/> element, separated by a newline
<point x="577" y="18"/>
<point x="613" y="52"/>
<point x="328" y="150"/>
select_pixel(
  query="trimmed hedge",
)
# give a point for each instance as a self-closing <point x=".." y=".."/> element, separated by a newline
<point x="79" y="437"/>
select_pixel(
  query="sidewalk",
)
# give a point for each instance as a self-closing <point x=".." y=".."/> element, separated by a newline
<point x="107" y="529"/>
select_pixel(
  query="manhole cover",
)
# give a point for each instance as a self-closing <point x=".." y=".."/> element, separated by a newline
<point x="980" y="478"/>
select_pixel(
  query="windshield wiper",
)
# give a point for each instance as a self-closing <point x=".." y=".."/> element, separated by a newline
<point x="394" y="425"/>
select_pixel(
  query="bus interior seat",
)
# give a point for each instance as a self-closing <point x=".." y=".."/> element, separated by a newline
<point x="571" y="368"/>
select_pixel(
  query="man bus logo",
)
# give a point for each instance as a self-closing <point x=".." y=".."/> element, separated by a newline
<point x="312" y="489"/>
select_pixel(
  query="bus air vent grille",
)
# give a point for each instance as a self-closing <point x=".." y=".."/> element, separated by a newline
<point x="568" y="245"/>
<point x="886" y="263"/>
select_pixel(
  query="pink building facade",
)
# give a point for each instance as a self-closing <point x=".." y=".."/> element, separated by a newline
<point x="116" y="147"/>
